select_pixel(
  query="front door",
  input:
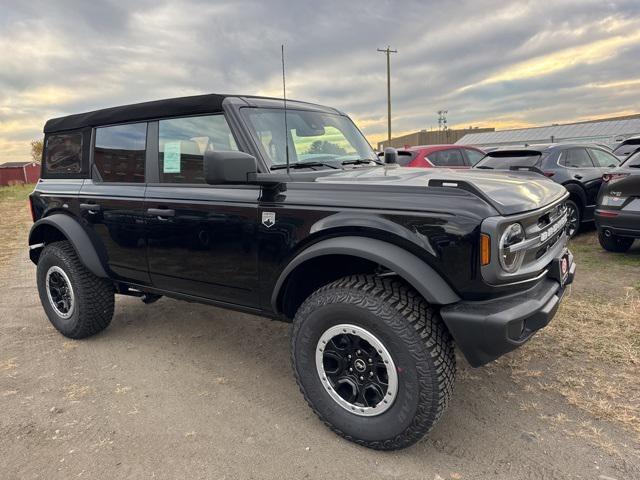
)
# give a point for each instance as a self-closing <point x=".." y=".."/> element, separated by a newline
<point x="582" y="169"/>
<point x="112" y="201"/>
<point x="202" y="238"/>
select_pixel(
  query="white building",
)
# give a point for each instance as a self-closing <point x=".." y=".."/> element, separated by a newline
<point x="609" y="131"/>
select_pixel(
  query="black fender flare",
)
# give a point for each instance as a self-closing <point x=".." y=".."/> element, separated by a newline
<point x="75" y="234"/>
<point x="416" y="272"/>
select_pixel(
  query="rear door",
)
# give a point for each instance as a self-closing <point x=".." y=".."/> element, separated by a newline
<point x="112" y="200"/>
<point x="202" y="238"/>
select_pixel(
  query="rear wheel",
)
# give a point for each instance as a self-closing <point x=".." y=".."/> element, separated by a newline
<point x="373" y="360"/>
<point x="574" y="217"/>
<point x="78" y="303"/>
<point x="614" y="243"/>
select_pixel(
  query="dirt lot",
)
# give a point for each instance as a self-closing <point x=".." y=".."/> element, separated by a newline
<point x="175" y="390"/>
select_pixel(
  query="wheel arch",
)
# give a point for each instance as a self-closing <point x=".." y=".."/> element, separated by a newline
<point x="60" y="227"/>
<point x="333" y="258"/>
<point x="577" y="192"/>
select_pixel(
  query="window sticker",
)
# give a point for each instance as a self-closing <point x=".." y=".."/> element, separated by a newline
<point x="171" y="162"/>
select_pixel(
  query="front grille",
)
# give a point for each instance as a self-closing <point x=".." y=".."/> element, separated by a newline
<point x="544" y="238"/>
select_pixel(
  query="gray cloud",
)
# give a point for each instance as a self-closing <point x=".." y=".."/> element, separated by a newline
<point x="68" y="56"/>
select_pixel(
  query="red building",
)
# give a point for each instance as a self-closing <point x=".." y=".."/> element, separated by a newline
<point x="16" y="173"/>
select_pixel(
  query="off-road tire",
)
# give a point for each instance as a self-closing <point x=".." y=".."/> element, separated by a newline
<point x="93" y="296"/>
<point x="614" y="243"/>
<point x="416" y="338"/>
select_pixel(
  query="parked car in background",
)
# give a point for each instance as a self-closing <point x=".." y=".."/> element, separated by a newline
<point x="447" y="156"/>
<point x="579" y="168"/>
<point x="627" y="147"/>
<point x="618" y="213"/>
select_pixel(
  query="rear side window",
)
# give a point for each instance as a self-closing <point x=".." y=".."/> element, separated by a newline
<point x="183" y="143"/>
<point x="119" y="153"/>
<point x="576" y="158"/>
<point x="447" y="158"/>
<point x="63" y="153"/>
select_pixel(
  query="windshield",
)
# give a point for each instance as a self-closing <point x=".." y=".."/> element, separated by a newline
<point x="505" y="160"/>
<point x="312" y="136"/>
<point x="632" y="160"/>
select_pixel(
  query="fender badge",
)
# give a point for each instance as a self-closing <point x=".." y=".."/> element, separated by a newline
<point x="268" y="219"/>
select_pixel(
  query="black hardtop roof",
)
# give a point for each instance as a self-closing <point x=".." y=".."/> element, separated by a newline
<point x="172" y="107"/>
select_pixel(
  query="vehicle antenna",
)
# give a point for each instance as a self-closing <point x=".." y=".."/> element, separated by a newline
<point x="286" y="129"/>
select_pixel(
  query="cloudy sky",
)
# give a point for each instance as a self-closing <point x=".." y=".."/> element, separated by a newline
<point x="489" y="63"/>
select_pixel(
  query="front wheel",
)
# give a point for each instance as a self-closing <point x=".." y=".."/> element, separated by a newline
<point x="574" y="217"/>
<point x="614" y="243"/>
<point x="373" y="360"/>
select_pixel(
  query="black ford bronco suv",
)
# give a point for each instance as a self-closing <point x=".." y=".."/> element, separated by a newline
<point x="288" y="213"/>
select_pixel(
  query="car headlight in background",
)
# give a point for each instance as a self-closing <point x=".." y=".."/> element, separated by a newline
<point x="511" y="261"/>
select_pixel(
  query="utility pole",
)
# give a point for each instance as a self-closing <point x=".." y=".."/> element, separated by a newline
<point x="388" y="51"/>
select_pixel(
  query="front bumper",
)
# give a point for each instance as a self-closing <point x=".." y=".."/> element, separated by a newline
<point x="487" y="330"/>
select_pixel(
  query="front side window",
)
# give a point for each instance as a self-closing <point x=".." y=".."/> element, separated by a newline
<point x="447" y="158"/>
<point x="312" y="136"/>
<point x="576" y="158"/>
<point x="604" y="159"/>
<point x="474" y="156"/>
<point x="119" y="153"/>
<point x="63" y="153"/>
<point x="183" y="143"/>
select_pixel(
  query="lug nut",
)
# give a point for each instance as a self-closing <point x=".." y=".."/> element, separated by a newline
<point x="358" y="352"/>
<point x="361" y="378"/>
<point x="350" y="369"/>
<point x="371" y="374"/>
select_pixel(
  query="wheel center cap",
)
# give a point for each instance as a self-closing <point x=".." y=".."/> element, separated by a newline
<point x="360" y="365"/>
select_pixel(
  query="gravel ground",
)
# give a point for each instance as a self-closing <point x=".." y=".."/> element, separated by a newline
<point x="178" y="390"/>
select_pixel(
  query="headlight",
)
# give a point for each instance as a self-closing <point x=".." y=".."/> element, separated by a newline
<point x="511" y="261"/>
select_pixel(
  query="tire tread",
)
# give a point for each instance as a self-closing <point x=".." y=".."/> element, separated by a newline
<point x="386" y="297"/>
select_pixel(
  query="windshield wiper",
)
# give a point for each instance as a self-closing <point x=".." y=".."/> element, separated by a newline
<point x="361" y="161"/>
<point x="484" y="167"/>
<point x="304" y="165"/>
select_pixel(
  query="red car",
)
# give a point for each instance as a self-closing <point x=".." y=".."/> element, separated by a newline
<point x="447" y="156"/>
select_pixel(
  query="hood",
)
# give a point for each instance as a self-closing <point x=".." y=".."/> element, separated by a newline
<point x="509" y="192"/>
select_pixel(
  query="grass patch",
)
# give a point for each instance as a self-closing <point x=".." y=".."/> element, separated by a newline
<point x="590" y="353"/>
<point x="591" y="254"/>
<point x="15" y="221"/>
<point x="16" y="192"/>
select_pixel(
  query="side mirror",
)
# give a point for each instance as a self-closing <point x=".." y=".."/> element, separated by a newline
<point x="390" y="156"/>
<point x="228" y="167"/>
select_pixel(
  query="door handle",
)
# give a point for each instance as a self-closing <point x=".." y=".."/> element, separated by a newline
<point x="90" y="207"/>
<point x="577" y="176"/>
<point x="161" y="213"/>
